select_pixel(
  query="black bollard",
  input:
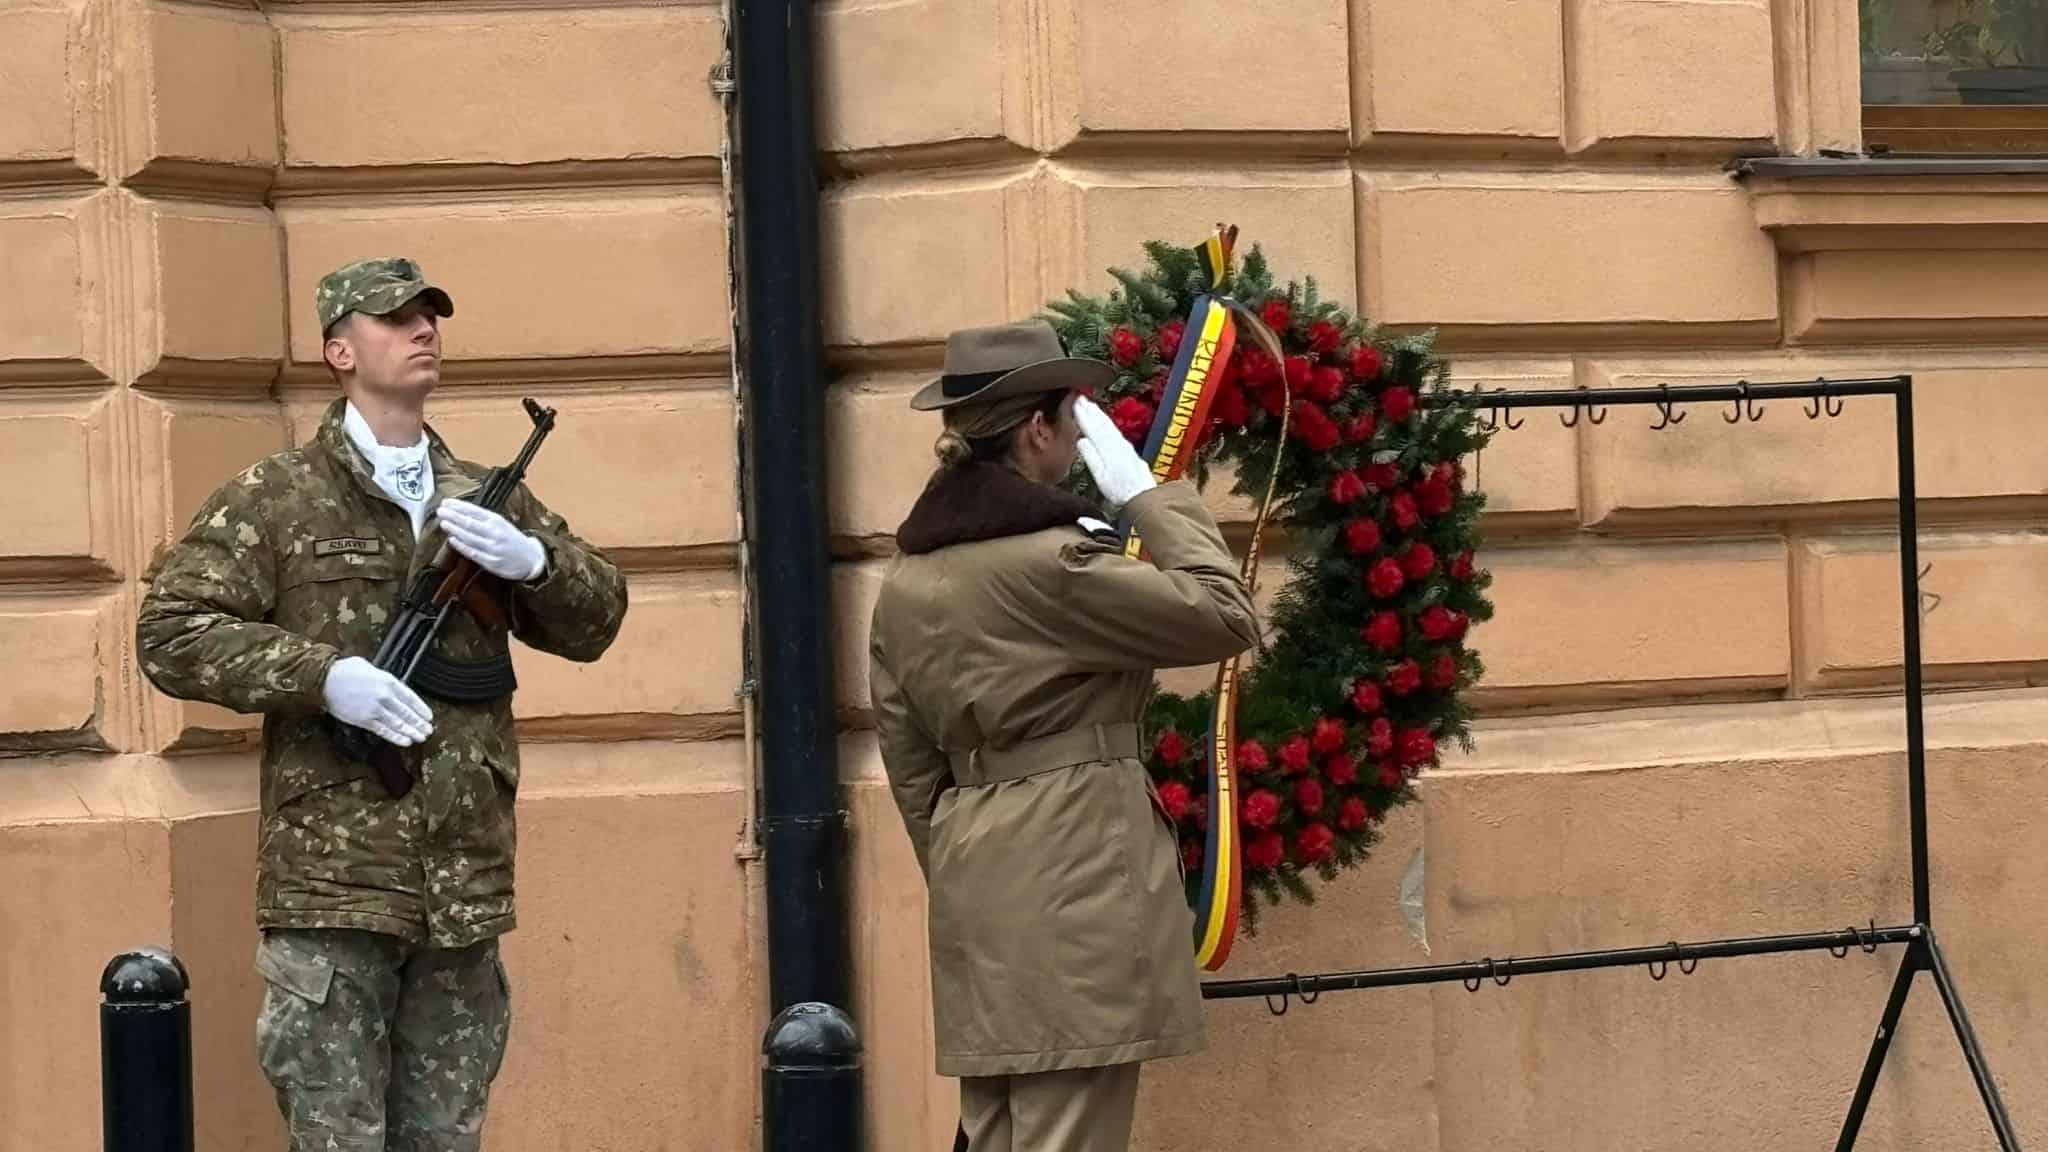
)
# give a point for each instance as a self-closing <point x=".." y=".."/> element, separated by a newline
<point x="145" y="1054"/>
<point x="810" y="1081"/>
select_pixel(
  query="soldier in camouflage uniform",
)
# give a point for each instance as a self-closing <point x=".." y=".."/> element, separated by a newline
<point x="386" y="1008"/>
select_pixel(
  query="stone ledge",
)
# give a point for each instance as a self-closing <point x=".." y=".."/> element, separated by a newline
<point x="1735" y="733"/>
<point x="84" y="788"/>
<point x="1820" y="204"/>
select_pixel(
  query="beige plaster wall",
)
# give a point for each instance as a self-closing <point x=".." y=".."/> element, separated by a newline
<point x="1540" y="179"/>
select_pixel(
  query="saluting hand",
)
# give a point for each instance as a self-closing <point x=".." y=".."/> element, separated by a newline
<point x="1118" y="469"/>
<point x="493" y="542"/>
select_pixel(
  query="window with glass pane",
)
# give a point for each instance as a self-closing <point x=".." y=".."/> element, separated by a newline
<point x="1955" y="75"/>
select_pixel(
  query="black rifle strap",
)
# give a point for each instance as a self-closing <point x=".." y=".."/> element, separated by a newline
<point x="468" y="682"/>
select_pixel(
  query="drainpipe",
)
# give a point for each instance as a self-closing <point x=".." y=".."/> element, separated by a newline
<point x="810" y="1096"/>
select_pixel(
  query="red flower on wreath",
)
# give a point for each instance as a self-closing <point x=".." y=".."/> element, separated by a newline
<point x="1346" y="487"/>
<point x="1299" y="373"/>
<point x="1172" y="747"/>
<point x="1294" y="754"/>
<point x="1402" y="508"/>
<point x="1383" y="631"/>
<point x="1191" y="856"/>
<point x="1259" y="369"/>
<point x="1379" y="739"/>
<point x="1264" y="852"/>
<point x="1360" y="428"/>
<point x="1326" y="384"/>
<point x="1404" y="677"/>
<point x="1385" y="578"/>
<point x="1382" y="476"/>
<point x="1251" y="756"/>
<point x="1416" y="747"/>
<point x="1308" y="795"/>
<point x="1461" y="568"/>
<point x="1434" y="496"/>
<point x="1340" y="770"/>
<point x="1390" y="776"/>
<point x="1313" y="843"/>
<point x="1397" y="404"/>
<point x="1362" y="537"/>
<point x="1328" y="736"/>
<point x="1173" y="796"/>
<point x="1132" y="416"/>
<point x="1260" y="809"/>
<point x="1365" y="362"/>
<point x="1418" y="561"/>
<point x="1170" y="334"/>
<point x="1313" y="427"/>
<point x="1323" y="337"/>
<point x="1353" y="814"/>
<point x="1277" y="313"/>
<point x="1125" y="347"/>
<point x="1365" y="696"/>
<point x="1231" y="409"/>
<point x="1436" y="623"/>
<point x="1443" y="671"/>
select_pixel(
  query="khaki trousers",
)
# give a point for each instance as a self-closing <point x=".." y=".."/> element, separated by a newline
<point x="1077" y="1110"/>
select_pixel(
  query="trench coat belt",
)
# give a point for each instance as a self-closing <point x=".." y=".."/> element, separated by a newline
<point x="1083" y="744"/>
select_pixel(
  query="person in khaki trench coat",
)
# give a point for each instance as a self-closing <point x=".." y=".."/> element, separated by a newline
<point x="1012" y="654"/>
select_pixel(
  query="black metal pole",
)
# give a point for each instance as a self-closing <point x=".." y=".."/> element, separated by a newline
<point x="810" y="1080"/>
<point x="1880" y="1044"/>
<point x="1980" y="1068"/>
<point x="1658" y="957"/>
<point x="145" y="1054"/>
<point x="803" y="822"/>
<point x="1909" y="591"/>
<point x="1681" y="394"/>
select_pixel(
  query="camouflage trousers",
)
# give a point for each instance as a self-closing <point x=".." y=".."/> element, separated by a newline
<point x="376" y="1045"/>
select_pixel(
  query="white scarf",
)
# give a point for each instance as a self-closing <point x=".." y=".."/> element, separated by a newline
<point x="405" y="474"/>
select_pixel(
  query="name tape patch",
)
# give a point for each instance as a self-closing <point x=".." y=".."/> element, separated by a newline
<point x="348" y="545"/>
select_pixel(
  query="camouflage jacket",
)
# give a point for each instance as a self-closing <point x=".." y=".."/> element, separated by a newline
<point x="302" y="560"/>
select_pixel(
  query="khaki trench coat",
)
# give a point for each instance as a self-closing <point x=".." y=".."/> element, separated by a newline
<point x="1008" y="677"/>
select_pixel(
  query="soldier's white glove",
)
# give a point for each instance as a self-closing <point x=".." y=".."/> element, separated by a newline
<point x="360" y="693"/>
<point x="495" y="543"/>
<point x="1118" y="469"/>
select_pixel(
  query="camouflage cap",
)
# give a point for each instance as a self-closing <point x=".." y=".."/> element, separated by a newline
<point x="376" y="288"/>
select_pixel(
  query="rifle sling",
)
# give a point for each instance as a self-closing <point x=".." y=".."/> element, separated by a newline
<point x="466" y="682"/>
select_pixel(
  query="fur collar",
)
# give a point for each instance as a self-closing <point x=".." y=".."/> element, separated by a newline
<point x="984" y="502"/>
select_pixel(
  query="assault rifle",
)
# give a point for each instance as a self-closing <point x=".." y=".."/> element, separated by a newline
<point x="407" y="651"/>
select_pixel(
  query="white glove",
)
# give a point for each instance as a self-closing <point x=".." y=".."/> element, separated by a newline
<point x="360" y="693"/>
<point x="495" y="543"/>
<point x="1118" y="469"/>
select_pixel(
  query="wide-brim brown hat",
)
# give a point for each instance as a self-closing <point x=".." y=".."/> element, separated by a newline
<point x="1009" y="360"/>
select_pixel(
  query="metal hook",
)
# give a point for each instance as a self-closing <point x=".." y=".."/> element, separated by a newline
<point x="1838" y="953"/>
<point x="1745" y="405"/>
<point x="1512" y="423"/>
<point x="1472" y="982"/>
<point x="1498" y="979"/>
<point x="1665" y="417"/>
<point x="1659" y="969"/>
<point x="1870" y="945"/>
<point x="1306" y="997"/>
<point x="1594" y="413"/>
<point x="1686" y="965"/>
<point x="1929" y="600"/>
<point x="1282" y="1009"/>
<point x="1825" y="402"/>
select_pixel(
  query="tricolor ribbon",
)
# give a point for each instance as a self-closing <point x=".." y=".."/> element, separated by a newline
<point x="1175" y="438"/>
